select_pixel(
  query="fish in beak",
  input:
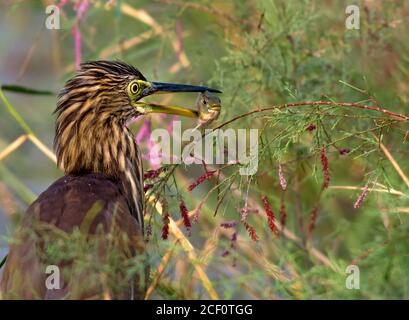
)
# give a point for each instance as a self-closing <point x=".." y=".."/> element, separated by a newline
<point x="161" y="87"/>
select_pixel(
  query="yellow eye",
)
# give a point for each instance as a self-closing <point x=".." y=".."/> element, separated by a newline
<point x="134" y="87"/>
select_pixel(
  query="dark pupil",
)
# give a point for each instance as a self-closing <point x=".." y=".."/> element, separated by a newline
<point x="134" y="88"/>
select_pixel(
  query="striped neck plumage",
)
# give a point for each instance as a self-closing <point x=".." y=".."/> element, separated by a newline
<point x="90" y="137"/>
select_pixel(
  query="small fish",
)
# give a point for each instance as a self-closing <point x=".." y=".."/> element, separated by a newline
<point x="209" y="107"/>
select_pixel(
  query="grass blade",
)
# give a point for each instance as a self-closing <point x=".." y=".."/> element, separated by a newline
<point x="14" y="113"/>
<point x="26" y="90"/>
<point x="2" y="263"/>
<point x="13" y="182"/>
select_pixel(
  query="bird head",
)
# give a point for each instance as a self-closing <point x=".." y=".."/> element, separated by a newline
<point x="115" y="89"/>
<point x="93" y="109"/>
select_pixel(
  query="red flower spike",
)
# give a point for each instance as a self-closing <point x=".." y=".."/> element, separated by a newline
<point x="344" y="151"/>
<point x="233" y="245"/>
<point x="225" y="253"/>
<point x="361" y="197"/>
<point x="201" y="179"/>
<point x="228" y="224"/>
<point x="311" y="127"/>
<point x="166" y="220"/>
<point x="248" y="210"/>
<point x="325" y="168"/>
<point x="204" y="165"/>
<point x="233" y="240"/>
<point x="251" y="231"/>
<point x="185" y="215"/>
<point x="270" y="215"/>
<point x="283" y="181"/>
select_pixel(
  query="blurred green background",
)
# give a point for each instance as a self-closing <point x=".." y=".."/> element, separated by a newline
<point x="260" y="53"/>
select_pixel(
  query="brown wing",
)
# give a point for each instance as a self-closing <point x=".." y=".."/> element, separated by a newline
<point x="88" y="214"/>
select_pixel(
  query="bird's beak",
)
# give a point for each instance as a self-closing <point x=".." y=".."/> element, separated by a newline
<point x="161" y="87"/>
<point x="146" y="107"/>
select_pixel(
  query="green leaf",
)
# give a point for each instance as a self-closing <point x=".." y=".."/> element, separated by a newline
<point x="3" y="261"/>
<point x="15" y="113"/>
<point x="25" y="90"/>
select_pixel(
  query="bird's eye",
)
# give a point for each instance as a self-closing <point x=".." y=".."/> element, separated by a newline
<point x="134" y="87"/>
<point x="204" y="101"/>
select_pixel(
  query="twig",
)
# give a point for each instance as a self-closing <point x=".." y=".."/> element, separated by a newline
<point x="145" y="17"/>
<point x="30" y="135"/>
<point x="394" y="164"/>
<point x="127" y="44"/>
<point x="29" y="55"/>
<point x="208" y="9"/>
<point x="287" y="233"/>
<point x="161" y="268"/>
<point x="43" y="148"/>
<point x="7" y="201"/>
<point x="316" y="103"/>
<point x="14" y="113"/>
<point x="13" y="146"/>
<point x="141" y="15"/>
<point x="187" y="246"/>
<point x="390" y="191"/>
<point x="396" y="210"/>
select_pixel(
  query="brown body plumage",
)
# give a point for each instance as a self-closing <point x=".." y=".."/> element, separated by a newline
<point x="101" y="194"/>
<point x="101" y="164"/>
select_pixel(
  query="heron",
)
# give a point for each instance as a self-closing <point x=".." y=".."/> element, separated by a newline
<point x="102" y="165"/>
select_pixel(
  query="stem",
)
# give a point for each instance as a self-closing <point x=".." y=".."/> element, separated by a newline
<point x="316" y="103"/>
<point x="14" y="113"/>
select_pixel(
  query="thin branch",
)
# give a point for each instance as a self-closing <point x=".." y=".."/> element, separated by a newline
<point x="43" y="148"/>
<point x="390" y="191"/>
<point x="207" y="9"/>
<point x="394" y="164"/>
<point x="286" y="232"/>
<point x="14" y="113"/>
<point x="396" y="210"/>
<point x="402" y="117"/>
<point x="161" y="268"/>
<point x="13" y="146"/>
<point x="189" y="249"/>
